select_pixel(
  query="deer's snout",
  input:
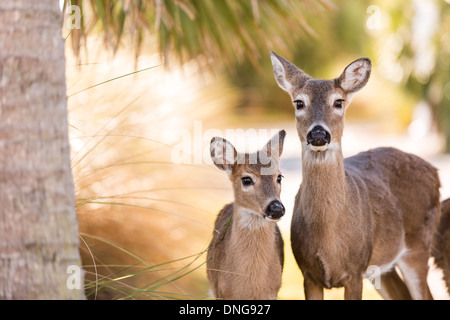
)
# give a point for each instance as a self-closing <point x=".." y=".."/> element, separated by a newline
<point x="275" y="210"/>
<point x="318" y="136"/>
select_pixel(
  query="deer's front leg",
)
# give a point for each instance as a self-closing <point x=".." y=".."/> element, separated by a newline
<point x="313" y="291"/>
<point x="353" y="289"/>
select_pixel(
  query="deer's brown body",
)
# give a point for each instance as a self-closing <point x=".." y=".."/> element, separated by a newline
<point x="378" y="208"/>
<point x="341" y="226"/>
<point x="245" y="257"/>
<point x="243" y="263"/>
<point x="441" y="243"/>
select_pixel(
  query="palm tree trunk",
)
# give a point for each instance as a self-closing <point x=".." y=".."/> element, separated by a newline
<point x="38" y="225"/>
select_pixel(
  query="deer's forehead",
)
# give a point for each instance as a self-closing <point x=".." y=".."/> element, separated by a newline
<point x="252" y="164"/>
<point x="316" y="89"/>
<point x="248" y="168"/>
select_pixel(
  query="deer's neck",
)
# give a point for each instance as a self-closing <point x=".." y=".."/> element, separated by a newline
<point x="252" y="257"/>
<point x="250" y="224"/>
<point x="324" y="191"/>
<point x="252" y="237"/>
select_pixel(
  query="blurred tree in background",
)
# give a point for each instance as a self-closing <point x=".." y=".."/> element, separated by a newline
<point x="425" y="57"/>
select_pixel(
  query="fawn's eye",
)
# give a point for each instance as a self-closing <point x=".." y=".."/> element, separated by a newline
<point x="299" y="104"/>
<point x="279" y="178"/>
<point x="338" y="104"/>
<point x="247" y="181"/>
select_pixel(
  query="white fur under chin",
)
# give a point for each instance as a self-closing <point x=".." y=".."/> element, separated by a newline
<point x="327" y="150"/>
<point x="252" y="220"/>
<point x="271" y="219"/>
<point x="318" y="148"/>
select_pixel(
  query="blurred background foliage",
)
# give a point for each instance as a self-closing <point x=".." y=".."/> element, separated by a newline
<point x="140" y="74"/>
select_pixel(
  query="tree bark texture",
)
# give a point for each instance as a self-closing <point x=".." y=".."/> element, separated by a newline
<point x="38" y="224"/>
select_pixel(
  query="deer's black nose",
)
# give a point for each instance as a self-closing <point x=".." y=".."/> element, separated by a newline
<point x="275" y="210"/>
<point x="318" y="136"/>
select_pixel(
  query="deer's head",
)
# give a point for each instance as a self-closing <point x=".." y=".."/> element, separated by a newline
<point x="256" y="178"/>
<point x="320" y="105"/>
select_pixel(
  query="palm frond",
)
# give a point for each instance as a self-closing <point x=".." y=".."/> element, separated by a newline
<point x="221" y="32"/>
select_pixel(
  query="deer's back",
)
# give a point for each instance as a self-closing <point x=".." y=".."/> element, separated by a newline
<point x="216" y="248"/>
<point x="401" y="187"/>
<point x="411" y="180"/>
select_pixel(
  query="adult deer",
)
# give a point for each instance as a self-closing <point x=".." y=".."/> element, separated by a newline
<point x="376" y="208"/>
<point x="441" y="243"/>
<point x="245" y="257"/>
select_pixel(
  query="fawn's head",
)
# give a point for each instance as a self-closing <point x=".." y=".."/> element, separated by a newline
<point x="256" y="178"/>
<point x="320" y="105"/>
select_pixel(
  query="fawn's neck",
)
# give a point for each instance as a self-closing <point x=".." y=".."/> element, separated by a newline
<point x="252" y="234"/>
<point x="253" y="256"/>
<point x="250" y="223"/>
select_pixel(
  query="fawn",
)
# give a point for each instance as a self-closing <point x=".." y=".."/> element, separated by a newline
<point x="441" y="243"/>
<point x="246" y="256"/>
<point x="377" y="208"/>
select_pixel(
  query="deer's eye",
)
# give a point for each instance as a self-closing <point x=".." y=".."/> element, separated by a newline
<point x="247" y="181"/>
<point x="339" y="103"/>
<point x="299" y="104"/>
<point x="279" y="178"/>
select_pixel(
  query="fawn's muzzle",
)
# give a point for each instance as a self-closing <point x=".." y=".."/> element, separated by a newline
<point x="275" y="210"/>
<point x="318" y="136"/>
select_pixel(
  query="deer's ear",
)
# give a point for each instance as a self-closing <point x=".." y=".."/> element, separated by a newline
<point x="274" y="147"/>
<point x="286" y="74"/>
<point x="223" y="154"/>
<point x="355" y="76"/>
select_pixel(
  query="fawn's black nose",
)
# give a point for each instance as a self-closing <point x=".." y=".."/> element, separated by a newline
<point x="318" y="136"/>
<point x="275" y="210"/>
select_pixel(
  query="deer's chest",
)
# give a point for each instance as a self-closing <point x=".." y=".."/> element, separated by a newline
<point x="330" y="253"/>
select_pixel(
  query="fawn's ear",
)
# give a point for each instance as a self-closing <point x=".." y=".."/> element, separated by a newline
<point x="223" y="154"/>
<point x="287" y="75"/>
<point x="355" y="76"/>
<point x="274" y="147"/>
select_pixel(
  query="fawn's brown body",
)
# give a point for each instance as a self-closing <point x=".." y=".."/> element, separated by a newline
<point x="245" y="257"/>
<point x="247" y="267"/>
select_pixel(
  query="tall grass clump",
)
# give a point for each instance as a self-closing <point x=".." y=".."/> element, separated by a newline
<point x="145" y="221"/>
